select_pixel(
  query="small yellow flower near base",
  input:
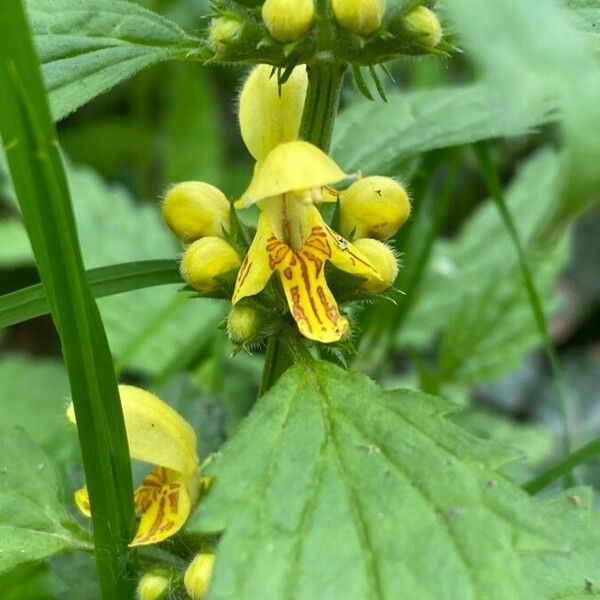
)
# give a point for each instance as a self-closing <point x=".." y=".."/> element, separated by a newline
<point x="206" y="259"/>
<point x="194" y="209"/>
<point x="157" y="434"/>
<point x="382" y="257"/>
<point x="373" y="207"/>
<point x="270" y="114"/>
<point x="359" y="16"/>
<point x="243" y="324"/>
<point x="288" y="20"/>
<point x="425" y="20"/>
<point x="198" y="575"/>
<point x="152" y="586"/>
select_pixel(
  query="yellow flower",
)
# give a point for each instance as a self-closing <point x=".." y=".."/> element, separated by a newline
<point x="198" y="575"/>
<point x="359" y="16"/>
<point x="382" y="257"/>
<point x="426" y="22"/>
<point x="153" y="586"/>
<point x="292" y="238"/>
<point x="157" y="434"/>
<point x="288" y="20"/>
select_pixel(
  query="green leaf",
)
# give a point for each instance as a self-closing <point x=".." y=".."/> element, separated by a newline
<point x="31" y="301"/>
<point x="378" y="137"/>
<point x="465" y="269"/>
<point x="489" y="333"/>
<point x="15" y="249"/>
<point x="537" y="45"/>
<point x="586" y="17"/>
<point x="88" y="46"/>
<point x="334" y="488"/>
<point x="33" y="523"/>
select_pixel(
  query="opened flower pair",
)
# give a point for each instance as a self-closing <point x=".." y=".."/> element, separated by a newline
<point x="291" y="178"/>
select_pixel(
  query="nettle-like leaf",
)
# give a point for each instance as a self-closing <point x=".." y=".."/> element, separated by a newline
<point x="33" y="523"/>
<point x="378" y="137"/>
<point x="482" y="261"/>
<point x="88" y="46"/>
<point x="333" y="488"/>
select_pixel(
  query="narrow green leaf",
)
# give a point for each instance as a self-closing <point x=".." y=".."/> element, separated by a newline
<point x="88" y="46"/>
<point x="31" y="302"/>
<point x="377" y="137"/>
<point x="33" y="523"/>
<point x="38" y="175"/>
<point x="334" y="488"/>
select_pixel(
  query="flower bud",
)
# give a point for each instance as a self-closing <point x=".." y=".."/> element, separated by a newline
<point x="243" y="324"/>
<point x="288" y="20"/>
<point x="223" y="31"/>
<point x="206" y="259"/>
<point x="194" y="209"/>
<point x="425" y="21"/>
<point x="270" y="114"/>
<point x="374" y="207"/>
<point x="359" y="16"/>
<point x="383" y="259"/>
<point x="197" y="576"/>
<point x="152" y="586"/>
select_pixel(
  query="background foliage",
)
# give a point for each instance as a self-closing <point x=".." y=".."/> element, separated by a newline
<point x="440" y="460"/>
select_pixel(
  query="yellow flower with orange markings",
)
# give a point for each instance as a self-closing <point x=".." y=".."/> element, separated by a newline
<point x="157" y="434"/>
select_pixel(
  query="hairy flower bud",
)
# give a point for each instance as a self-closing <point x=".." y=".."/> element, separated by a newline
<point x="198" y="574"/>
<point x="206" y="259"/>
<point x="270" y="114"/>
<point x="223" y="31"/>
<point x="383" y="259"/>
<point x="243" y="325"/>
<point x="425" y="21"/>
<point x="374" y="207"/>
<point x="194" y="209"/>
<point x="359" y="16"/>
<point x="288" y="20"/>
<point x="152" y="586"/>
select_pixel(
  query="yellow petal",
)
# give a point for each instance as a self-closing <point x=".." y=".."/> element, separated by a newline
<point x="302" y="274"/>
<point x="256" y="269"/>
<point x="270" y="114"/>
<point x="82" y="500"/>
<point x="164" y="504"/>
<point x="156" y="433"/>
<point x="198" y="575"/>
<point x="291" y="167"/>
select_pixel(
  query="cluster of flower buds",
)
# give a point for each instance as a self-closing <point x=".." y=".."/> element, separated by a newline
<point x="292" y="178"/>
<point x="288" y="32"/>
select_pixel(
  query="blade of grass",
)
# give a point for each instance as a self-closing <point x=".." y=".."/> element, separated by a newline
<point x="30" y="302"/>
<point x="586" y="453"/>
<point x="492" y="182"/>
<point x="39" y="180"/>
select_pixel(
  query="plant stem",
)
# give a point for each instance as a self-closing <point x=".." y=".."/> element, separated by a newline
<point x="494" y="186"/>
<point x="322" y="101"/>
<point x="277" y="361"/>
<point x="40" y="182"/>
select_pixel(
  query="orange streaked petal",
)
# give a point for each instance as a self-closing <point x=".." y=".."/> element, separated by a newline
<point x="255" y="270"/>
<point x="163" y="503"/>
<point x="302" y="274"/>
<point x="82" y="500"/>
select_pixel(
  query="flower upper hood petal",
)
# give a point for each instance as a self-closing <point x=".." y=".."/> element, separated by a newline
<point x="293" y="166"/>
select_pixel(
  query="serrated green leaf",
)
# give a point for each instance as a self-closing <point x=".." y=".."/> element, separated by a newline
<point x="488" y="334"/>
<point x="88" y="46"/>
<point x="380" y="137"/>
<point x="333" y="488"/>
<point x="33" y="523"/>
<point x="463" y="269"/>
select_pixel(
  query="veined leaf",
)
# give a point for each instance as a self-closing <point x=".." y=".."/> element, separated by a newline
<point x="378" y="137"/>
<point x="33" y="523"/>
<point x="333" y="488"/>
<point x="88" y="46"/>
<point x="464" y="269"/>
